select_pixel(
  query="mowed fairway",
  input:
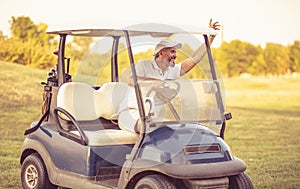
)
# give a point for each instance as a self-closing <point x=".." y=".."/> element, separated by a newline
<point x="264" y="131"/>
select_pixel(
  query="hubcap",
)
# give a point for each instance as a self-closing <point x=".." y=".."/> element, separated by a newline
<point x="31" y="176"/>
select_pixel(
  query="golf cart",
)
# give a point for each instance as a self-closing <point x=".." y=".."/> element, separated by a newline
<point x="80" y="143"/>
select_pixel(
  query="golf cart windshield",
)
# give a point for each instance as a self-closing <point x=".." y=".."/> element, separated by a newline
<point x="184" y="101"/>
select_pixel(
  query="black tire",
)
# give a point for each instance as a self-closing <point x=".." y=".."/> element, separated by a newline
<point x="154" y="182"/>
<point x="241" y="181"/>
<point x="34" y="174"/>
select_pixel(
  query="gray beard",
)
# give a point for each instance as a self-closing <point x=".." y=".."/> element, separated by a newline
<point x="171" y="63"/>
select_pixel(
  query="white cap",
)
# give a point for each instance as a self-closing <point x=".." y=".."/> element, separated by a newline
<point x="166" y="44"/>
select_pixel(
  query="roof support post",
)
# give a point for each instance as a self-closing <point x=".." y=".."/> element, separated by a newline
<point x="114" y="60"/>
<point x="214" y="77"/>
<point x="61" y="60"/>
<point x="138" y="97"/>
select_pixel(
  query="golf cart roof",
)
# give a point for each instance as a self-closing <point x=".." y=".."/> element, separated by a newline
<point x="154" y="30"/>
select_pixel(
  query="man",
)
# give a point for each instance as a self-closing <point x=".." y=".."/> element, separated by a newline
<point x="163" y="67"/>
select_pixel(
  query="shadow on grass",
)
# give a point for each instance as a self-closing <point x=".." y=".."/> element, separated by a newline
<point x="291" y="112"/>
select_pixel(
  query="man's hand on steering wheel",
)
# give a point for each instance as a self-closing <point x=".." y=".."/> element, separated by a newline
<point x="164" y="92"/>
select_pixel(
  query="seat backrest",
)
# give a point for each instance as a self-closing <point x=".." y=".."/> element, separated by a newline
<point x="79" y="99"/>
<point x="86" y="103"/>
<point x="112" y="94"/>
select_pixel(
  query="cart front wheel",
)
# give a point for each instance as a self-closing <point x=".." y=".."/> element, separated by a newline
<point x="241" y="181"/>
<point x="154" y="182"/>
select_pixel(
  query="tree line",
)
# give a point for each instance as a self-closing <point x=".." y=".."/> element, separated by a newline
<point x="237" y="57"/>
<point x="30" y="45"/>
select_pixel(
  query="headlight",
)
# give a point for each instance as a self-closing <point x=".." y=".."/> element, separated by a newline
<point x="202" y="148"/>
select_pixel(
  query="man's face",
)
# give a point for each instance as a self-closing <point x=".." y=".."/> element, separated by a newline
<point x="169" y="54"/>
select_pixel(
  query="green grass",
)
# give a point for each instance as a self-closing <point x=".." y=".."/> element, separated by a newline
<point x="264" y="131"/>
<point x="20" y="102"/>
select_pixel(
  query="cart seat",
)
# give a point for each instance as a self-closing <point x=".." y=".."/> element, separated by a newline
<point x="111" y="96"/>
<point x="108" y="137"/>
<point x="87" y="104"/>
<point x="80" y="100"/>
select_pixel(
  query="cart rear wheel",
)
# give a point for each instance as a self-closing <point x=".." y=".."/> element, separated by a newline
<point x="241" y="181"/>
<point x="154" y="182"/>
<point x="34" y="173"/>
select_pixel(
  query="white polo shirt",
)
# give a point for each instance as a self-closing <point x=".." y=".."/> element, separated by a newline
<point x="149" y="69"/>
<point x="128" y="109"/>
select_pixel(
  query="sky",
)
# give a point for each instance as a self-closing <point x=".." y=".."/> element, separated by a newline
<point x="254" y="21"/>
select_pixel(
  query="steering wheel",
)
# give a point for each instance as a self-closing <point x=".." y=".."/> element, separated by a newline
<point x="166" y="92"/>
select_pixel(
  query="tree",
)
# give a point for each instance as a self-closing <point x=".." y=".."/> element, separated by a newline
<point x="29" y="44"/>
<point x="236" y="57"/>
<point x="277" y="59"/>
<point x="2" y="37"/>
<point x="80" y="45"/>
<point x="22" y="28"/>
<point x="258" y="65"/>
<point x="294" y="56"/>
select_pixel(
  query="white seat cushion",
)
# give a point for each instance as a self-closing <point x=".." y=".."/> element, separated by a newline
<point x="111" y="137"/>
<point x="85" y="103"/>
<point x="79" y="100"/>
<point x="112" y="94"/>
